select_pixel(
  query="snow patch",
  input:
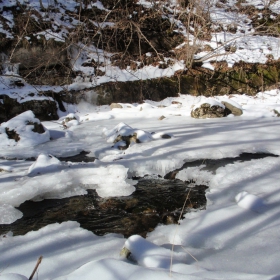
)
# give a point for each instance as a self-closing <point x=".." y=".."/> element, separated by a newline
<point x="250" y="202"/>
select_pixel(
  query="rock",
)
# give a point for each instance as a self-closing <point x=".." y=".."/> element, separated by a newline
<point x="125" y="253"/>
<point x="12" y="134"/>
<point x="276" y="113"/>
<point x="176" y="102"/>
<point x="70" y="120"/>
<point x="232" y="109"/>
<point x="207" y="111"/>
<point x="115" y="105"/>
<point x="81" y="157"/>
<point x="45" y="109"/>
<point x="24" y="129"/>
<point x="161" y="118"/>
<point x="122" y="142"/>
<point x="165" y="136"/>
<point x="124" y="136"/>
<point x="38" y="127"/>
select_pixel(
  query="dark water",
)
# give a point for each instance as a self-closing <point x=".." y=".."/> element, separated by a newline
<point x="155" y="201"/>
<point x="213" y="164"/>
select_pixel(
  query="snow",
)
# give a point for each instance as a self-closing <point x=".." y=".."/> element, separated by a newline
<point x="123" y="129"/>
<point x="234" y="238"/>
<point x="250" y="202"/>
<point x="210" y="101"/>
<point x="23" y="125"/>
<point x="44" y="163"/>
<point x="148" y="254"/>
<point x="47" y="177"/>
<point x="13" y="276"/>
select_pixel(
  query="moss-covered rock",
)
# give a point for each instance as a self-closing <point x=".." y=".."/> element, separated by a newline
<point x="205" y="110"/>
<point x="43" y="109"/>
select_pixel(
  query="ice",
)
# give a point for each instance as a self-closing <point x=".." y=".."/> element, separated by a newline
<point x="44" y="164"/>
<point x="201" y="177"/>
<point x="9" y="214"/>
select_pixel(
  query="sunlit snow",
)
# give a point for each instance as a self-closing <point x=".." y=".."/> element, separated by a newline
<point x="239" y="226"/>
<point x="236" y="237"/>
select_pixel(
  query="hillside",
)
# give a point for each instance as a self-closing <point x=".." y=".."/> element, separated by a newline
<point x="128" y="51"/>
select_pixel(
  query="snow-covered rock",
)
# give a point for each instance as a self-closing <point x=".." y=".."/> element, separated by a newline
<point x="123" y="136"/>
<point x="250" y="202"/>
<point x="23" y="130"/>
<point x="147" y="254"/>
<point x="208" y="108"/>
<point x="232" y="108"/>
<point x="70" y="120"/>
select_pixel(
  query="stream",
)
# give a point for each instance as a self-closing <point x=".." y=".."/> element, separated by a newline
<point x="155" y="201"/>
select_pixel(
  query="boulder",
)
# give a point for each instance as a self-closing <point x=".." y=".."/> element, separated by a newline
<point x="122" y="142"/>
<point x="44" y="109"/>
<point x="116" y="105"/>
<point x="24" y="130"/>
<point x="232" y="108"/>
<point x="124" y="136"/>
<point x="207" y="110"/>
<point x="277" y="114"/>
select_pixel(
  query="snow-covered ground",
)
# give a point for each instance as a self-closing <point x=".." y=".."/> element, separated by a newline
<point x="236" y="237"/>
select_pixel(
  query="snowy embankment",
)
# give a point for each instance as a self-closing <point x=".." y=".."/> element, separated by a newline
<point x="236" y="237"/>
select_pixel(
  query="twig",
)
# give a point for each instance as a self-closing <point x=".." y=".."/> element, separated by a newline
<point x="36" y="267"/>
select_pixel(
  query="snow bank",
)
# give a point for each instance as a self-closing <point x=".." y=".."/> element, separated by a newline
<point x="74" y="253"/>
<point x="65" y="248"/>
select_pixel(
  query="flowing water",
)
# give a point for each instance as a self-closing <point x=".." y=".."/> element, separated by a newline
<point x="155" y="201"/>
